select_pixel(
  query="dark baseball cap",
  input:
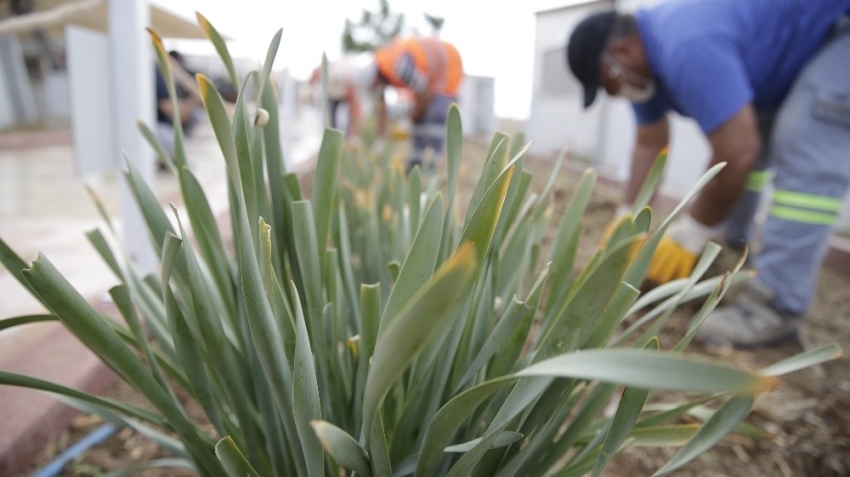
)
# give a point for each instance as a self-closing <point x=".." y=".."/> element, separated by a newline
<point x="584" y="50"/>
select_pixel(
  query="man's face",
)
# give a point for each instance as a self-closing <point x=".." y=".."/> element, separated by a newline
<point x="623" y="63"/>
<point x="608" y="80"/>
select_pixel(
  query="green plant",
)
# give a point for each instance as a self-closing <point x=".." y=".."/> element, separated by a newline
<point x="373" y="30"/>
<point x="383" y="329"/>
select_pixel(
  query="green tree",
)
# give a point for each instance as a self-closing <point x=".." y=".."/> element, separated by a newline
<point x="436" y="23"/>
<point x="373" y="30"/>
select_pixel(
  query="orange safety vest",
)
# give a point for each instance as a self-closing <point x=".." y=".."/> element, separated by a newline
<point x="437" y="60"/>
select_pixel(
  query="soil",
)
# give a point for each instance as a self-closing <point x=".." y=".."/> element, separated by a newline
<point x="807" y="417"/>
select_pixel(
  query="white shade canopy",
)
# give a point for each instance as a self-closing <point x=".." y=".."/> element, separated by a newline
<point x="93" y="15"/>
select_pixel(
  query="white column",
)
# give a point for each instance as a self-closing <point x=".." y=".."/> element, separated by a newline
<point x="132" y="84"/>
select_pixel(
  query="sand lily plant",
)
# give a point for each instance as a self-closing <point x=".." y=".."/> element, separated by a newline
<point x="383" y="328"/>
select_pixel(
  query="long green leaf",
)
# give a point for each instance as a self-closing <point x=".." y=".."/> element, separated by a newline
<point x="343" y="448"/>
<point x="573" y="323"/>
<point x="210" y="244"/>
<point x="650" y="184"/>
<point x="506" y="326"/>
<point x="166" y="442"/>
<point x="99" y="242"/>
<point x="504" y="438"/>
<point x="12" y="379"/>
<point x="469" y="460"/>
<point x="16" y="266"/>
<point x="306" y="403"/>
<point x="448" y="419"/>
<point x="233" y="460"/>
<point x="163" y="61"/>
<point x="803" y="360"/>
<point x="664" y="436"/>
<point x="26" y="320"/>
<point x="567" y="236"/>
<point x="93" y="331"/>
<point x="454" y="144"/>
<point x="720" y="424"/>
<point x="221" y="47"/>
<point x="413" y="329"/>
<point x="640" y="265"/>
<point x="650" y="370"/>
<point x="482" y="223"/>
<point x="265" y="333"/>
<point x="420" y="261"/>
<point x="271" y="54"/>
<point x="492" y="167"/>
<point x="222" y="127"/>
<point x="631" y="403"/>
<point x="325" y="185"/>
<point x="155" y="218"/>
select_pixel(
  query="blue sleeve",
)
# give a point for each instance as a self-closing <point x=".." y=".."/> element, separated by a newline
<point x="161" y="88"/>
<point x="708" y="81"/>
<point x="653" y="110"/>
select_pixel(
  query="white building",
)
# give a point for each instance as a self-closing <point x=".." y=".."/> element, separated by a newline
<point x="603" y="134"/>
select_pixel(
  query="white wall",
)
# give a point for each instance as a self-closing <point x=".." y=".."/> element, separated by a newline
<point x="475" y="103"/>
<point x="557" y="118"/>
<point x="7" y="108"/>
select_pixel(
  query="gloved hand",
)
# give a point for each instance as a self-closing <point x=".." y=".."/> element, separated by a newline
<point x="678" y="250"/>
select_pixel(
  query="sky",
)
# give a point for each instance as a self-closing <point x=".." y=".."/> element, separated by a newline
<point x="495" y="38"/>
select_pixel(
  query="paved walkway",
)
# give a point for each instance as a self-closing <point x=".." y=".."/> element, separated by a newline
<point x="44" y="207"/>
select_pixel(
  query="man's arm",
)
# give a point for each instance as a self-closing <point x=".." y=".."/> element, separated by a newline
<point x="354" y="113"/>
<point x="187" y="107"/>
<point x="737" y="143"/>
<point x="381" y="109"/>
<point x="423" y="99"/>
<point x="651" y="138"/>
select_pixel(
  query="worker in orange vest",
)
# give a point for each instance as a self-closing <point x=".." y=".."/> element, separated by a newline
<point x="432" y="70"/>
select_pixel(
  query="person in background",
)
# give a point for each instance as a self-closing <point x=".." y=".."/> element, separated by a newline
<point x="348" y="81"/>
<point x="425" y="68"/>
<point x="768" y="82"/>
<point x="189" y="104"/>
<point x="432" y="70"/>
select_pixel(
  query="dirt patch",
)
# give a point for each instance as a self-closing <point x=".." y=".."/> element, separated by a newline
<point x="806" y="417"/>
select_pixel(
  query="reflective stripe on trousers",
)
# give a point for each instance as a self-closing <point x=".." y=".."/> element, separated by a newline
<point x="810" y="154"/>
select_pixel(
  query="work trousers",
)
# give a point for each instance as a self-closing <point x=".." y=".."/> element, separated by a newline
<point x="429" y="132"/>
<point x="807" y="149"/>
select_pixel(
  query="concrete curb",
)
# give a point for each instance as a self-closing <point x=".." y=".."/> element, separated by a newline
<point x="31" y="418"/>
<point x="29" y="139"/>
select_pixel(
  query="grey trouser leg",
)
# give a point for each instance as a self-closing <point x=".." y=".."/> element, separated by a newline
<point x="430" y="131"/>
<point x="738" y="226"/>
<point x="811" y="156"/>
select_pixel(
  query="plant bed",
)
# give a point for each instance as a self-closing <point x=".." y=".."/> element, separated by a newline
<point x="804" y="418"/>
<point x="389" y="323"/>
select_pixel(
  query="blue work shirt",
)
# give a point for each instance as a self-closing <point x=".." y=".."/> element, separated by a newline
<point x="712" y="57"/>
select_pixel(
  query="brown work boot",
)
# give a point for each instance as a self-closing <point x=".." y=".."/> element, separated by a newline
<point x="751" y="321"/>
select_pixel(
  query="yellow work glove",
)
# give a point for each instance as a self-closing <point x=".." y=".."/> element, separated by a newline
<point x="678" y="250"/>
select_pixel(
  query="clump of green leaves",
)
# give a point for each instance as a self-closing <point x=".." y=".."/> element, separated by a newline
<point x="380" y="328"/>
<point x="373" y="30"/>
